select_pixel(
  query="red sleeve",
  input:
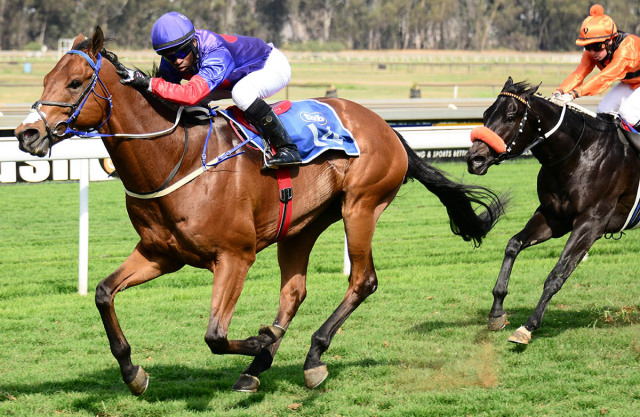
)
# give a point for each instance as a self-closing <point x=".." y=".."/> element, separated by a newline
<point x="188" y="94"/>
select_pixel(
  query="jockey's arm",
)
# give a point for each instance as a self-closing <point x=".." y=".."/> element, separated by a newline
<point x="613" y="72"/>
<point x="213" y="71"/>
<point x="575" y="79"/>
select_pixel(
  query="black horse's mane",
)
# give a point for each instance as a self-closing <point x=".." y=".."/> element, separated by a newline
<point x="604" y="122"/>
<point x="519" y="87"/>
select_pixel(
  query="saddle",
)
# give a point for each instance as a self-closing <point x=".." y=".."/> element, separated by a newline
<point x="627" y="134"/>
<point x="197" y="115"/>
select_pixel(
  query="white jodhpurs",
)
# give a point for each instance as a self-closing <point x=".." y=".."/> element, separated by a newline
<point x="624" y="101"/>
<point x="263" y="83"/>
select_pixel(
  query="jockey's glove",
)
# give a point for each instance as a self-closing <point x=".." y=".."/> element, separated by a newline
<point x="561" y="98"/>
<point x="135" y="79"/>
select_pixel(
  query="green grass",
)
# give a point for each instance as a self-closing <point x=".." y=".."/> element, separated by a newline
<point x="417" y="347"/>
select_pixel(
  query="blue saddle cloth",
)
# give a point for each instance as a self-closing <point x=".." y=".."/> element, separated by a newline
<point x="313" y="126"/>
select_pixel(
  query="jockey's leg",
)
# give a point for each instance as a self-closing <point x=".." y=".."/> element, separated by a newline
<point x="630" y="109"/>
<point x="248" y="94"/>
<point x="613" y="101"/>
<point x="262" y="116"/>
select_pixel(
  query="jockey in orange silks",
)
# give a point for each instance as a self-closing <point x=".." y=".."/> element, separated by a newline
<point x="617" y="55"/>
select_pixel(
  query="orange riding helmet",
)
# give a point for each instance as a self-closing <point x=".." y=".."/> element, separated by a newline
<point x="597" y="27"/>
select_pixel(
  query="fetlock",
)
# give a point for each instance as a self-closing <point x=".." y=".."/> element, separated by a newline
<point x="262" y="116"/>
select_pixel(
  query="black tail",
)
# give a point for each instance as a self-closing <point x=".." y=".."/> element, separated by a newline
<point x="458" y="199"/>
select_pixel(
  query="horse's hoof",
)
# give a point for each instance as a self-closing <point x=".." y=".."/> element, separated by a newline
<point x="521" y="336"/>
<point x="246" y="383"/>
<point x="497" y="323"/>
<point x="140" y="383"/>
<point x="315" y="376"/>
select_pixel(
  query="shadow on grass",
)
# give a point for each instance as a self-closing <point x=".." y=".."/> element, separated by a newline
<point x="555" y="321"/>
<point x="196" y="386"/>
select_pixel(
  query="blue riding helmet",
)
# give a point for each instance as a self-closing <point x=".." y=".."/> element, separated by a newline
<point x="171" y="31"/>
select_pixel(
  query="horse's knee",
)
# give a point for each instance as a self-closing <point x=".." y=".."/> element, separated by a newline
<point x="218" y="343"/>
<point x="368" y="285"/>
<point x="103" y="295"/>
<point x="371" y="283"/>
<point x="513" y="248"/>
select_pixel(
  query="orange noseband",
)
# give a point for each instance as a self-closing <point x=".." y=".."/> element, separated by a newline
<point x="489" y="137"/>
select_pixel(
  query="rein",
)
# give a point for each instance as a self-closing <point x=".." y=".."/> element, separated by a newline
<point x="80" y="102"/>
<point x="76" y="108"/>
<point x="162" y="191"/>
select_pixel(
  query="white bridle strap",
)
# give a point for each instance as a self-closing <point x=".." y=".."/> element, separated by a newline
<point x="553" y="130"/>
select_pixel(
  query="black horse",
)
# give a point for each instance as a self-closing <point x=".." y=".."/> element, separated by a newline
<point x="587" y="184"/>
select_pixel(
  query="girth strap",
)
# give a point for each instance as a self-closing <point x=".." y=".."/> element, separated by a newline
<point x="286" y="196"/>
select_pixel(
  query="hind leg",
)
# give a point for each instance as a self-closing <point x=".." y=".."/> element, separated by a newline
<point x="578" y="244"/>
<point x="360" y="217"/>
<point x="293" y="257"/>
<point x="138" y="268"/>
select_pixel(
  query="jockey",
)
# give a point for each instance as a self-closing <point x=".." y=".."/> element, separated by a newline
<point x="617" y="55"/>
<point x="217" y="66"/>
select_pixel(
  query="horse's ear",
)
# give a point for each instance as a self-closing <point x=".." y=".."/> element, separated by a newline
<point x="97" y="42"/>
<point x="532" y="90"/>
<point x="508" y="84"/>
<point x="78" y="39"/>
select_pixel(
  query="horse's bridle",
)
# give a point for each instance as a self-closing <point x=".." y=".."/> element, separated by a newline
<point x="76" y="107"/>
<point x="541" y="137"/>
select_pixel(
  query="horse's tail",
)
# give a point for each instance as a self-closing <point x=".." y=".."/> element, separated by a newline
<point x="458" y="199"/>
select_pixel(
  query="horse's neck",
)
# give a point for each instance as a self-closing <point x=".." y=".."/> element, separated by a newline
<point x="577" y="141"/>
<point x="563" y="144"/>
<point x="142" y="164"/>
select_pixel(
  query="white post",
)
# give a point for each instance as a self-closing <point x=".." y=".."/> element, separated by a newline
<point x="455" y="91"/>
<point x="346" y="268"/>
<point x="83" y="242"/>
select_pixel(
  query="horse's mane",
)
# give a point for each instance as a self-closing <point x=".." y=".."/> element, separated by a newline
<point x="604" y="122"/>
<point x="519" y="87"/>
<point x="113" y="58"/>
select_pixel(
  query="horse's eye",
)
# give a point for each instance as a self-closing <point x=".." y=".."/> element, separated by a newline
<point x="75" y="84"/>
<point x="511" y="117"/>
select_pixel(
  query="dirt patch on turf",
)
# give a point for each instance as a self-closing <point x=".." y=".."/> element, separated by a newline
<point x="479" y="369"/>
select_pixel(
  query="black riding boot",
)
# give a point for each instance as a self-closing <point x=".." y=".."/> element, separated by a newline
<point x="262" y="116"/>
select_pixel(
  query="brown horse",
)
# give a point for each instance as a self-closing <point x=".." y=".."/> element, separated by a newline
<point x="222" y="218"/>
<point x="587" y="184"/>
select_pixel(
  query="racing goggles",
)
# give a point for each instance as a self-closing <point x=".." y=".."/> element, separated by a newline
<point x="595" y="47"/>
<point x="180" y="53"/>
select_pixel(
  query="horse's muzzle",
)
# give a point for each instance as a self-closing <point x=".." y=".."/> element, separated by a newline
<point x="479" y="158"/>
<point x="32" y="141"/>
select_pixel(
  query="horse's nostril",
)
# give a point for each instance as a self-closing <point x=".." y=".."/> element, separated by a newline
<point x="477" y="160"/>
<point x="30" y="135"/>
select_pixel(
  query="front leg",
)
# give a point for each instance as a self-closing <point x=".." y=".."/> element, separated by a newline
<point x="138" y="268"/>
<point x="536" y="231"/>
<point x="578" y="244"/>
<point x="230" y="272"/>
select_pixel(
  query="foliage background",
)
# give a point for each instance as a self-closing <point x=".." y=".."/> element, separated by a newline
<point x="547" y="25"/>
